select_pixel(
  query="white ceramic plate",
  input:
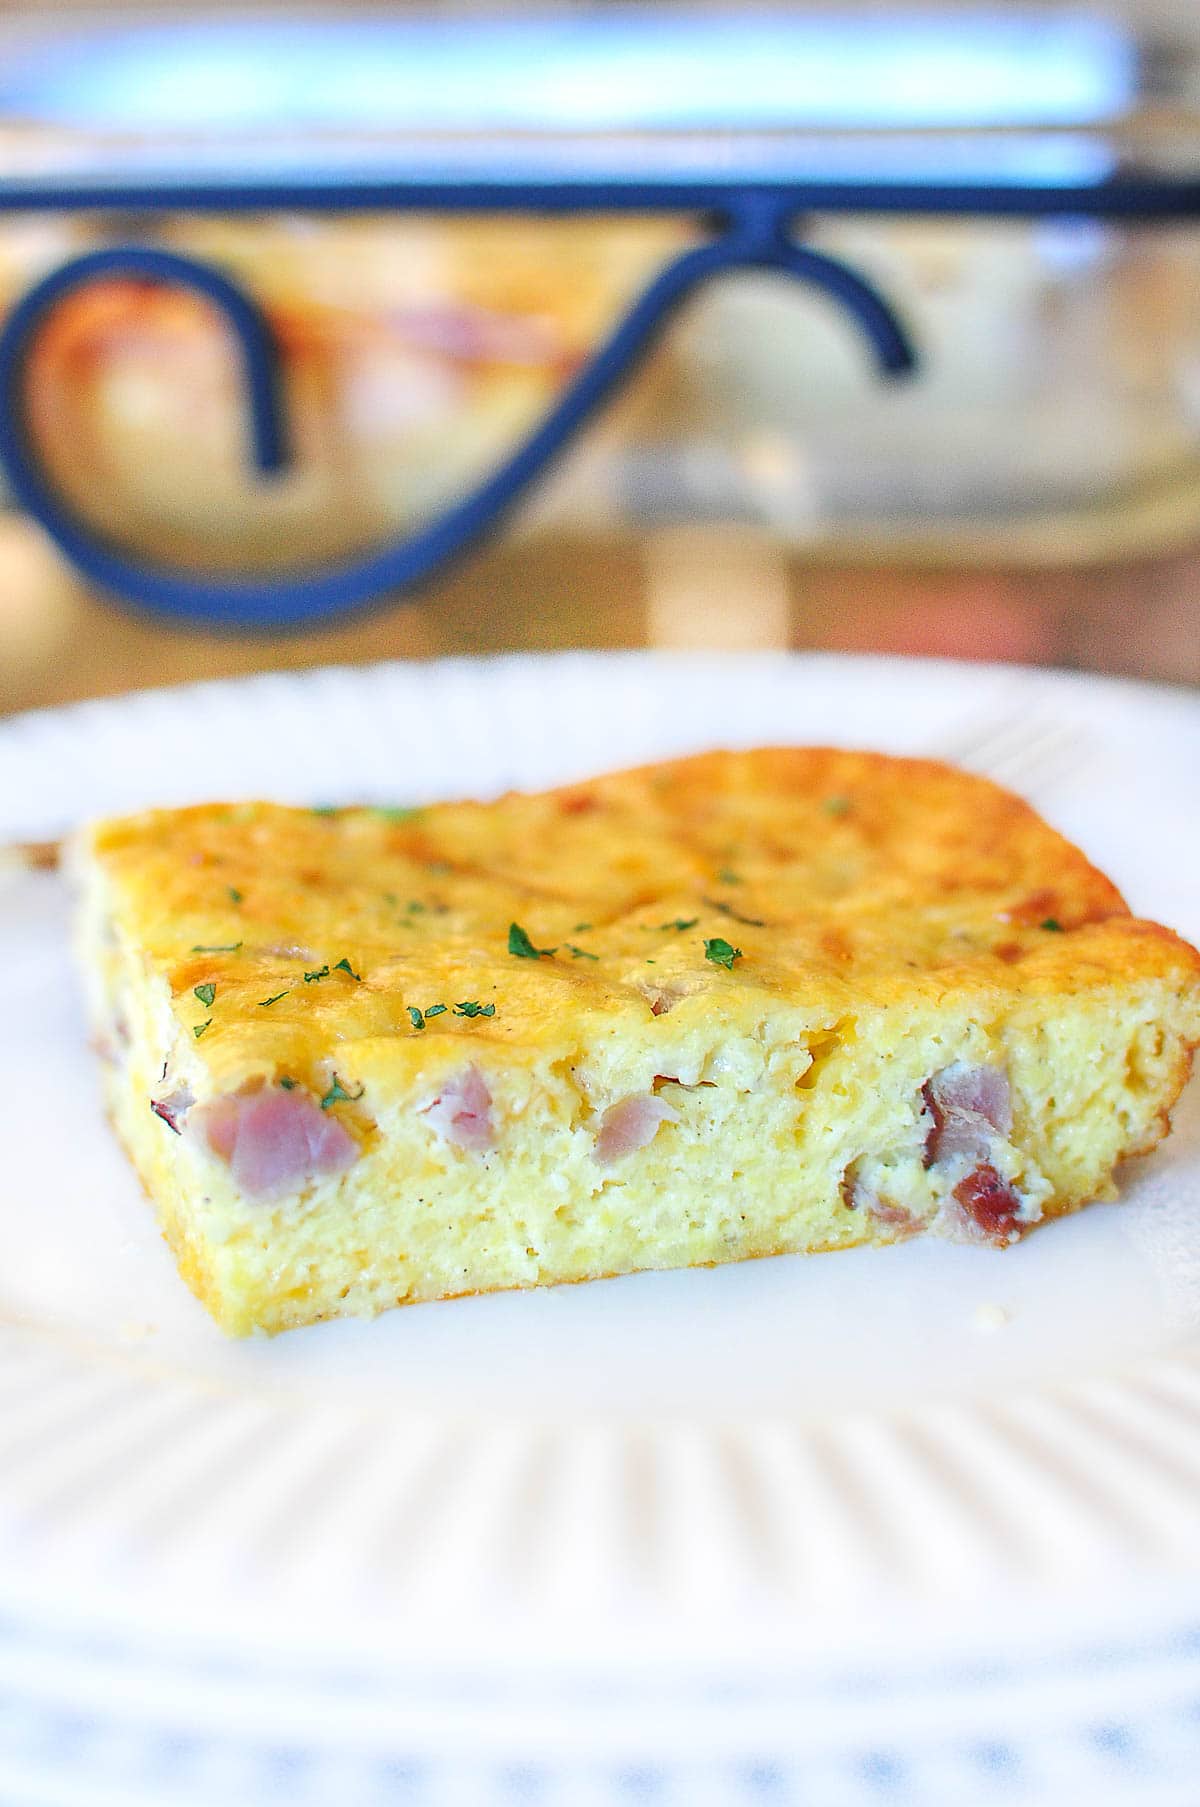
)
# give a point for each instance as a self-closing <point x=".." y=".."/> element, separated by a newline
<point x="672" y="1510"/>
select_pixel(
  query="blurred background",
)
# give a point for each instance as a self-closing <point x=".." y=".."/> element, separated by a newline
<point x="1031" y="494"/>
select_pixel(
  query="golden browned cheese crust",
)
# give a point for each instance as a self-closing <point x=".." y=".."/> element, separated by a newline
<point x="785" y="944"/>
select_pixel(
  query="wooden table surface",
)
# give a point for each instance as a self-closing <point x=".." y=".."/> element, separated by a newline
<point x="707" y="586"/>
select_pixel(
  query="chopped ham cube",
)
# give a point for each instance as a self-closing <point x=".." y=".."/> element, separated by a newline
<point x="174" y="1107"/>
<point x="858" y="1196"/>
<point x="663" y="995"/>
<point x="275" y="1140"/>
<point x="631" y="1123"/>
<point x="990" y="1205"/>
<point x="462" y="1112"/>
<point x="897" y="1217"/>
<point x="970" y="1106"/>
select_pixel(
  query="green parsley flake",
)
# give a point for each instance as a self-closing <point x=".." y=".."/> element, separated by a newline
<point x="337" y="1094"/>
<point x="235" y="896"/>
<point x="721" y="953"/>
<point x="836" y="806"/>
<point x="199" y="1028"/>
<point x="581" y="928"/>
<point x="205" y="993"/>
<point x="472" y="1008"/>
<point x="415" y="907"/>
<point x="680" y="923"/>
<point x="522" y="948"/>
<point x="580" y="953"/>
<point x="313" y="978"/>
<point x="344" y="966"/>
<point x="231" y="949"/>
<point x="726" y="877"/>
<point x="401" y="813"/>
<point x="435" y="1010"/>
<point x="415" y="1017"/>
<point x="1052" y="923"/>
<point x="263" y="1002"/>
<point x="289" y="1085"/>
<point x="724" y="909"/>
<point x="325" y="809"/>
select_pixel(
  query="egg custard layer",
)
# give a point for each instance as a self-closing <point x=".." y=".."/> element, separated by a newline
<point x="731" y="1005"/>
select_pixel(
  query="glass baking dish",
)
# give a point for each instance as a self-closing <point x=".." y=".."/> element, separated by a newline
<point x="444" y="228"/>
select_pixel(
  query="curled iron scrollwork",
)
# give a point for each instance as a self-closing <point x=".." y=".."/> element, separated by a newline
<point x="753" y="234"/>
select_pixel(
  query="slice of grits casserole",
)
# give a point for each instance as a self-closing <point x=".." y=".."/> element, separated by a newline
<point x="730" y="1005"/>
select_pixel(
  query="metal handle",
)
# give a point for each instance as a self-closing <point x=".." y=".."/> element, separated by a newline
<point x="755" y="235"/>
